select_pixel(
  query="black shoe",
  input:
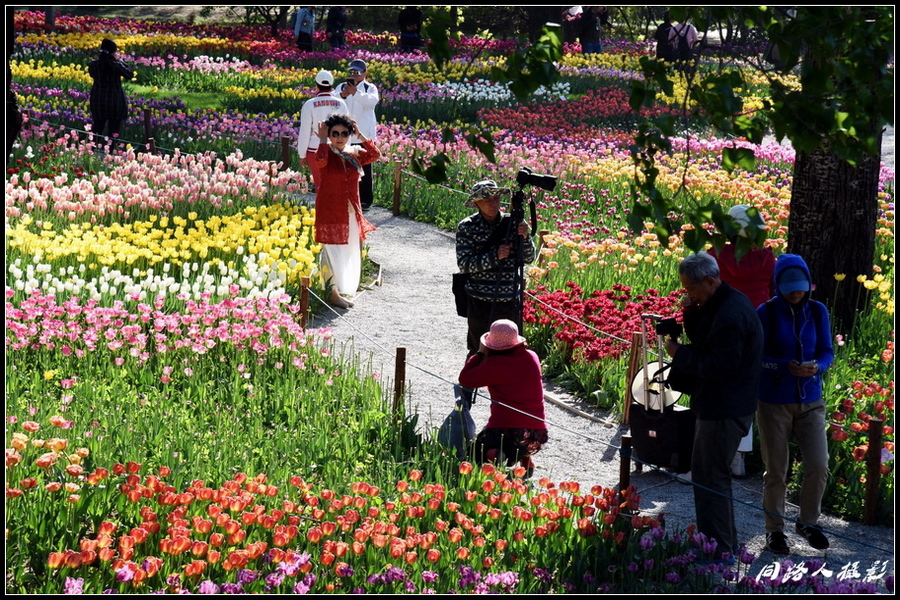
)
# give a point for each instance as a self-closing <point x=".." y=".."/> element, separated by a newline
<point x="366" y="207"/>
<point x="777" y="542"/>
<point x="814" y="536"/>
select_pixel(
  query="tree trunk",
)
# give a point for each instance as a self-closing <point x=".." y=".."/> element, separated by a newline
<point x="834" y="209"/>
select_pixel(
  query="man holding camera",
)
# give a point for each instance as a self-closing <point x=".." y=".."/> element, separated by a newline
<point x="722" y="363"/>
<point x="487" y="249"/>
<point x="361" y="98"/>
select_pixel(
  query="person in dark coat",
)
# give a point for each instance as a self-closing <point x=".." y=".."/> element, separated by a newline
<point x="723" y="360"/>
<point x="109" y="107"/>
<point x="409" y="21"/>
<point x="335" y="26"/>
<point x="591" y="23"/>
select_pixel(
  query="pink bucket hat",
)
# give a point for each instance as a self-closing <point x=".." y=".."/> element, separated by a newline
<point x="504" y="334"/>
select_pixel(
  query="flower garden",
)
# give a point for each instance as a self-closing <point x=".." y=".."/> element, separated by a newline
<point x="170" y="426"/>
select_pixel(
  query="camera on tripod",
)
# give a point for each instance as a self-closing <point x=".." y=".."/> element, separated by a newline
<point x="526" y="177"/>
<point x="669" y="327"/>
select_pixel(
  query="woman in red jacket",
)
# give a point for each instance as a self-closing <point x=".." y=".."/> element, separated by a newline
<point x="512" y="373"/>
<point x="340" y="225"/>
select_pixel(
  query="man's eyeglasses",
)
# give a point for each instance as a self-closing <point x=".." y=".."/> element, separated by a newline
<point x="355" y="72"/>
<point x="342" y="134"/>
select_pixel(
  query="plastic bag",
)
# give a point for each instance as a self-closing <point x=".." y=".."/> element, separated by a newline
<point x="458" y="429"/>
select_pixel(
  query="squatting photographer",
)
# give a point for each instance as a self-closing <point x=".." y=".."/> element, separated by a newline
<point x="488" y="244"/>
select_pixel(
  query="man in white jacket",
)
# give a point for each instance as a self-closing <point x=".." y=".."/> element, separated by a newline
<point x="315" y="111"/>
<point x="361" y="97"/>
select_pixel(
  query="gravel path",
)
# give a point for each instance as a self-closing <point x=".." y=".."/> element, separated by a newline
<point x="414" y="309"/>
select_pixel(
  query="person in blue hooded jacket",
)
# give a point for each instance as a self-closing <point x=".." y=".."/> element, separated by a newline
<point x="796" y="353"/>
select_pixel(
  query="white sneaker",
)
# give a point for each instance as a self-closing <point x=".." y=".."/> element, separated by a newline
<point x="737" y="465"/>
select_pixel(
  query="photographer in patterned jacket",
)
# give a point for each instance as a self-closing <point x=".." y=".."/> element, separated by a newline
<point x="486" y="250"/>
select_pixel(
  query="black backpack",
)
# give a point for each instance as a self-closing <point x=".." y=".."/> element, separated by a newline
<point x="664" y="50"/>
<point x="683" y="50"/>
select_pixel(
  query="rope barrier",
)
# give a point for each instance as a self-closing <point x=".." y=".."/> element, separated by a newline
<point x="675" y="477"/>
<point x="574" y="320"/>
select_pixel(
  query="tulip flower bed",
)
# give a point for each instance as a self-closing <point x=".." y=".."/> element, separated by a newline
<point x="486" y="532"/>
<point x="156" y="364"/>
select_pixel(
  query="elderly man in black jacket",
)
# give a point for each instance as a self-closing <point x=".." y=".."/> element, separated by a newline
<point x="723" y="361"/>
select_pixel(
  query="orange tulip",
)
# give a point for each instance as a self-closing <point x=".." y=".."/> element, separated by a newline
<point x="455" y="535"/>
<point x="56" y="559"/>
<point x="231" y="527"/>
<point x="126" y="541"/>
<point x="12" y="457"/>
<point x="194" y="568"/>
<point x="256" y="549"/>
<point x="202" y="525"/>
<point x="199" y="548"/>
<point x="465" y="468"/>
<point x="46" y="460"/>
<point x="106" y="554"/>
<point x="152" y="564"/>
<point x="181" y="544"/>
<point x="462" y="553"/>
<point x="237" y="537"/>
<point x="72" y="559"/>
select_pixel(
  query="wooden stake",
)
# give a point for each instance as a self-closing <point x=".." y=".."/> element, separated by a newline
<point x="304" y="301"/>
<point x="285" y="152"/>
<point x="873" y="472"/>
<point x="625" y="462"/>
<point x="398" y="181"/>
<point x="399" y="382"/>
<point x="146" y="123"/>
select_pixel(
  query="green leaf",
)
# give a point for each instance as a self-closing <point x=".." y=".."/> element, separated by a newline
<point x="482" y="141"/>
<point x="738" y="157"/>
<point x="437" y="31"/>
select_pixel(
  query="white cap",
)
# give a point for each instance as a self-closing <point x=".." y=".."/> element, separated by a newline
<point x="325" y="78"/>
<point x="738" y="212"/>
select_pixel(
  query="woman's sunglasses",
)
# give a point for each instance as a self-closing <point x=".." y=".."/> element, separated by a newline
<point x="342" y="134"/>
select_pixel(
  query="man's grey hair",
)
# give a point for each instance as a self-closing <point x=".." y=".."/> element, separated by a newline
<point x="699" y="266"/>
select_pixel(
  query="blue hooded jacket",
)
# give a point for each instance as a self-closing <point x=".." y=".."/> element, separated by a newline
<point x="800" y="332"/>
